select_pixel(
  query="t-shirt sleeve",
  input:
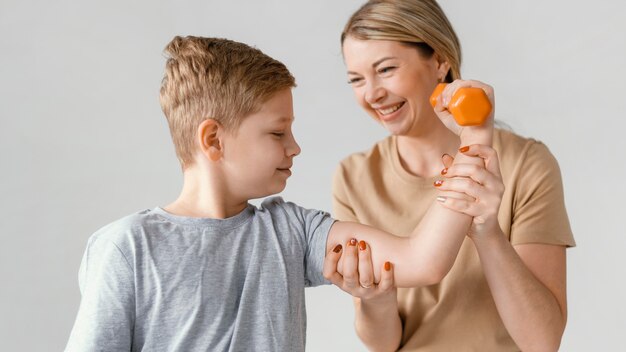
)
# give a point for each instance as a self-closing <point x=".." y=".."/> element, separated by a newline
<point x="106" y="314"/>
<point x="317" y="225"/>
<point x="539" y="209"/>
<point x="342" y="210"/>
<point x="313" y="227"/>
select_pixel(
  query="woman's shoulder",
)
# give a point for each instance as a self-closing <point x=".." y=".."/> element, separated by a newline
<point x="521" y="154"/>
<point x="369" y="164"/>
<point x="379" y="152"/>
<point x="510" y="144"/>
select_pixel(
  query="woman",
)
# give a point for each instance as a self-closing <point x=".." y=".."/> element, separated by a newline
<point x="507" y="288"/>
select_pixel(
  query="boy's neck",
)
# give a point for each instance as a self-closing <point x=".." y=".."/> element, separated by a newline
<point x="204" y="196"/>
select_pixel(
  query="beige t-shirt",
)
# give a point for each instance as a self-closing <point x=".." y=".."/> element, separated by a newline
<point x="458" y="314"/>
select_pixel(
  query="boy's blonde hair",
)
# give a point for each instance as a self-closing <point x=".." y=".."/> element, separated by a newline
<point x="215" y="78"/>
<point x="420" y="23"/>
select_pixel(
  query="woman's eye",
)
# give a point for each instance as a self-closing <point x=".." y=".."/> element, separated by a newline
<point x="386" y="69"/>
<point x="354" y="80"/>
<point x="278" y="134"/>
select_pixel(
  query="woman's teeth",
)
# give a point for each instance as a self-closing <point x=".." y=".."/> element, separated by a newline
<point x="389" y="110"/>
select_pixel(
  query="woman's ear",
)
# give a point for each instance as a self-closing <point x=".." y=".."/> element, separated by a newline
<point x="443" y="67"/>
<point x="208" y="139"/>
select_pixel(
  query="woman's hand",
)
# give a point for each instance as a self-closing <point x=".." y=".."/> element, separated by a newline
<point x="351" y="270"/>
<point x="473" y="190"/>
<point x="469" y="134"/>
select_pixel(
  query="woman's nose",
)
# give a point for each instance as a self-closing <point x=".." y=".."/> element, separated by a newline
<point x="374" y="93"/>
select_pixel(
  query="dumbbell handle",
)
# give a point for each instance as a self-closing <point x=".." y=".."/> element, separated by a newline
<point x="469" y="106"/>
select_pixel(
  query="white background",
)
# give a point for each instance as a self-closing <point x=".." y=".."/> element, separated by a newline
<point x="83" y="141"/>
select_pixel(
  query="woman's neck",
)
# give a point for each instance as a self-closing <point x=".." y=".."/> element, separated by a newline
<point x="420" y="152"/>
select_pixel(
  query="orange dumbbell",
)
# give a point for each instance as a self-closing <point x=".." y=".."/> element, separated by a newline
<point x="469" y="106"/>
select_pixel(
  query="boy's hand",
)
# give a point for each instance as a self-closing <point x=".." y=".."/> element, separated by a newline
<point x="469" y="134"/>
<point x="351" y="270"/>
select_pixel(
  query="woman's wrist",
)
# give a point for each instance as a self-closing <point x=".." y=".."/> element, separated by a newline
<point x="461" y="158"/>
<point x="488" y="238"/>
<point x="381" y="302"/>
<point x="477" y="135"/>
<point x="477" y="138"/>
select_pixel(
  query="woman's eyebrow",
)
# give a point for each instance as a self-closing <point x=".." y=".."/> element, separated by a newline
<point x="376" y="63"/>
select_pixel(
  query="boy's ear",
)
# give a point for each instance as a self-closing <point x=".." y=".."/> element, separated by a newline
<point x="208" y="139"/>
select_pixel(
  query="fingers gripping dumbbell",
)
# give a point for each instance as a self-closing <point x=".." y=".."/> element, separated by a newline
<point x="469" y="106"/>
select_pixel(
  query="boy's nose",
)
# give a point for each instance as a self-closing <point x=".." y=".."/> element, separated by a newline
<point x="293" y="148"/>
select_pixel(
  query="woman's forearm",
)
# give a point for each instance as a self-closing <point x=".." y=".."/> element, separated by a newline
<point x="377" y="323"/>
<point x="529" y="310"/>
<point x="434" y="245"/>
<point x="438" y="237"/>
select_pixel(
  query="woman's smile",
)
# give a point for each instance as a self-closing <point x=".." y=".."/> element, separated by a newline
<point x="390" y="112"/>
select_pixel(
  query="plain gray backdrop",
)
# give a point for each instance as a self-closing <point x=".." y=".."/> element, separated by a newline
<point x="83" y="141"/>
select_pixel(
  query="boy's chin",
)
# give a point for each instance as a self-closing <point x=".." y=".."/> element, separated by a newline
<point x="279" y="188"/>
<point x="270" y="191"/>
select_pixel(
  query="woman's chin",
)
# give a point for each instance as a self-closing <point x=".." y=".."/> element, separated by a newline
<point x="396" y="129"/>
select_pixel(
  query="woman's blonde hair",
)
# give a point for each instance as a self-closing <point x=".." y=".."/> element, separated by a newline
<point x="215" y="78"/>
<point x="419" y="23"/>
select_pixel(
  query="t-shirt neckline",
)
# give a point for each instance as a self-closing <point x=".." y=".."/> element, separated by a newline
<point x="230" y="222"/>
<point x="400" y="171"/>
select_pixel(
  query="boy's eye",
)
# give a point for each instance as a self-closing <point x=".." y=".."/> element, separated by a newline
<point x="278" y="134"/>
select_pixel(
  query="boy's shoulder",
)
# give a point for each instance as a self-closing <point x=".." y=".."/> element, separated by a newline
<point x="273" y="204"/>
<point x="278" y="207"/>
<point x="125" y="229"/>
<point x="293" y="218"/>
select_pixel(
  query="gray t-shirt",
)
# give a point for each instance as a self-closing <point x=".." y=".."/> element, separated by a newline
<point x="153" y="281"/>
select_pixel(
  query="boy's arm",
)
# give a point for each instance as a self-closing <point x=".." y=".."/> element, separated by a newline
<point x="422" y="259"/>
<point x="106" y="314"/>
<point x="426" y="256"/>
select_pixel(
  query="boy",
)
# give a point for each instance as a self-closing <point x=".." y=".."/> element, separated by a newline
<point x="210" y="272"/>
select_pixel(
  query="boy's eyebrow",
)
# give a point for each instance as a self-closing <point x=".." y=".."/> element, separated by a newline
<point x="376" y="63"/>
<point x="284" y="119"/>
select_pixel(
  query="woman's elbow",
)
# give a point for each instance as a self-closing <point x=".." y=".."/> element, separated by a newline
<point x="375" y="344"/>
<point x="548" y="342"/>
<point x="545" y="346"/>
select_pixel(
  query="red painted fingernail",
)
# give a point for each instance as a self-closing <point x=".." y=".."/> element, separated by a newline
<point x="438" y="183"/>
<point x="444" y="171"/>
<point x="387" y="266"/>
<point x="362" y="245"/>
<point x="352" y="242"/>
<point x="464" y="149"/>
<point x="337" y="248"/>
